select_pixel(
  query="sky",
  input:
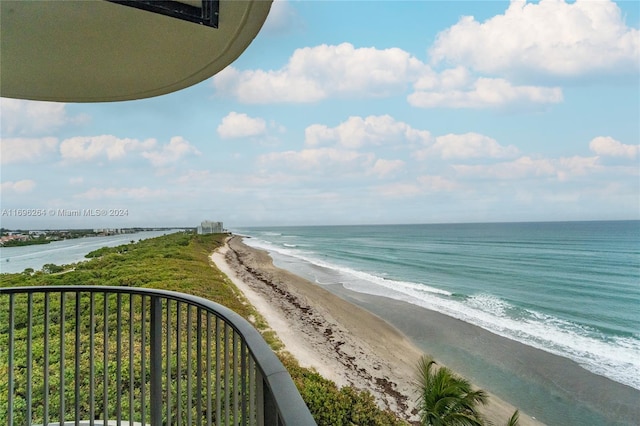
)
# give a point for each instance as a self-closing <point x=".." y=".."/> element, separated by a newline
<point x="358" y="112"/>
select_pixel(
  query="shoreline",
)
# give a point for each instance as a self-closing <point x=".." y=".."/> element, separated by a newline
<point x="343" y="341"/>
<point x="554" y="389"/>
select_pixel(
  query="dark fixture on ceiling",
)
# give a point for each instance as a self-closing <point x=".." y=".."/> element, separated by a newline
<point x="207" y="14"/>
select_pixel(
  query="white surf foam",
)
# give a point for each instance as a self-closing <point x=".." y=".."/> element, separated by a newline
<point x="615" y="358"/>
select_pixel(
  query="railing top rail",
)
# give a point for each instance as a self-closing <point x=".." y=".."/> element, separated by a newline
<point x="291" y="407"/>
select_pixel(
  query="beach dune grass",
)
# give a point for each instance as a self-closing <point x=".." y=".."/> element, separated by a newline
<point x="331" y="405"/>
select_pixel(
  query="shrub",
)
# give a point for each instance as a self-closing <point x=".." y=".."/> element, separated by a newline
<point x="333" y="406"/>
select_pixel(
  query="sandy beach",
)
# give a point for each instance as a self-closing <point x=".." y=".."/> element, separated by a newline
<point x="341" y="340"/>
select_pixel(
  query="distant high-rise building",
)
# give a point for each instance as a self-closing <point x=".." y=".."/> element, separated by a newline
<point x="208" y="227"/>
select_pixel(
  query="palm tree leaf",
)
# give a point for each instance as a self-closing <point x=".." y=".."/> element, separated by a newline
<point x="445" y="398"/>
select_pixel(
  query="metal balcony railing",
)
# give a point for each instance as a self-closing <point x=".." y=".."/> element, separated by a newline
<point x="79" y="355"/>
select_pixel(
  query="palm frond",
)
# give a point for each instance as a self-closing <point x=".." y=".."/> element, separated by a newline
<point x="515" y="419"/>
<point x="445" y="398"/>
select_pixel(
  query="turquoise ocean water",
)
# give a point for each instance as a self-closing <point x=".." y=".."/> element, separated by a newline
<point x="570" y="288"/>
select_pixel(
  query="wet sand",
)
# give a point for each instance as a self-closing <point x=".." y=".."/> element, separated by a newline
<point x="553" y="389"/>
<point x="336" y="336"/>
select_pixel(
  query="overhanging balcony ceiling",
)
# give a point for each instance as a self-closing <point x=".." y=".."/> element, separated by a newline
<point x="98" y="51"/>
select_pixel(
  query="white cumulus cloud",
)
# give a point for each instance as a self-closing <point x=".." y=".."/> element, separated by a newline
<point x="315" y="73"/>
<point x="434" y="183"/>
<point x="480" y="93"/>
<point x="527" y="167"/>
<point x="18" y="187"/>
<point x="122" y="192"/>
<point x="282" y="18"/>
<point x="88" y="148"/>
<point x="33" y="118"/>
<point x="177" y="148"/>
<point x="553" y="37"/>
<point x="467" y="145"/>
<point x="424" y="184"/>
<point x="19" y="150"/>
<point x="237" y="125"/>
<point x="608" y="146"/>
<point x="383" y="168"/>
<point x="85" y="148"/>
<point x="398" y="190"/>
<point x="318" y="159"/>
<point x="576" y="166"/>
<point x="372" y="130"/>
<point x="519" y="168"/>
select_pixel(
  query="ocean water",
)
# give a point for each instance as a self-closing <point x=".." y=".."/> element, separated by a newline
<point x="570" y="288"/>
<point x="17" y="259"/>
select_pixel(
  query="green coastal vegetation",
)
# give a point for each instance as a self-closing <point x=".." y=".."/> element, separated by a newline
<point x="180" y="262"/>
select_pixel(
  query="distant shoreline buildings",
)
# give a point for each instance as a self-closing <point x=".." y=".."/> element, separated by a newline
<point x="10" y="238"/>
<point x="209" y="227"/>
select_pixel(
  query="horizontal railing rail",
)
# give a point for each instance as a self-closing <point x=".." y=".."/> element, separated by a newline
<point x="94" y="355"/>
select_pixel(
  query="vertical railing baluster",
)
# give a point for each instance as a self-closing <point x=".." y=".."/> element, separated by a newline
<point x="45" y="373"/>
<point x="169" y="381"/>
<point x="2" y="297"/>
<point x="156" y="361"/>
<point x="105" y="359"/>
<point x="236" y="373"/>
<point x="143" y="361"/>
<point x="209" y="361"/>
<point x="227" y="413"/>
<point x="199" y="367"/>
<point x="270" y="410"/>
<point x="252" y="390"/>
<point x="76" y="375"/>
<point x="10" y="402"/>
<point x="92" y="368"/>
<point x="218" y="376"/>
<point x="189" y="366"/>
<point x="29" y="357"/>
<point x="260" y="397"/>
<point x="62" y="356"/>
<point x="131" y="373"/>
<point x="179" y="363"/>
<point x="243" y="382"/>
<point x="119" y="359"/>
